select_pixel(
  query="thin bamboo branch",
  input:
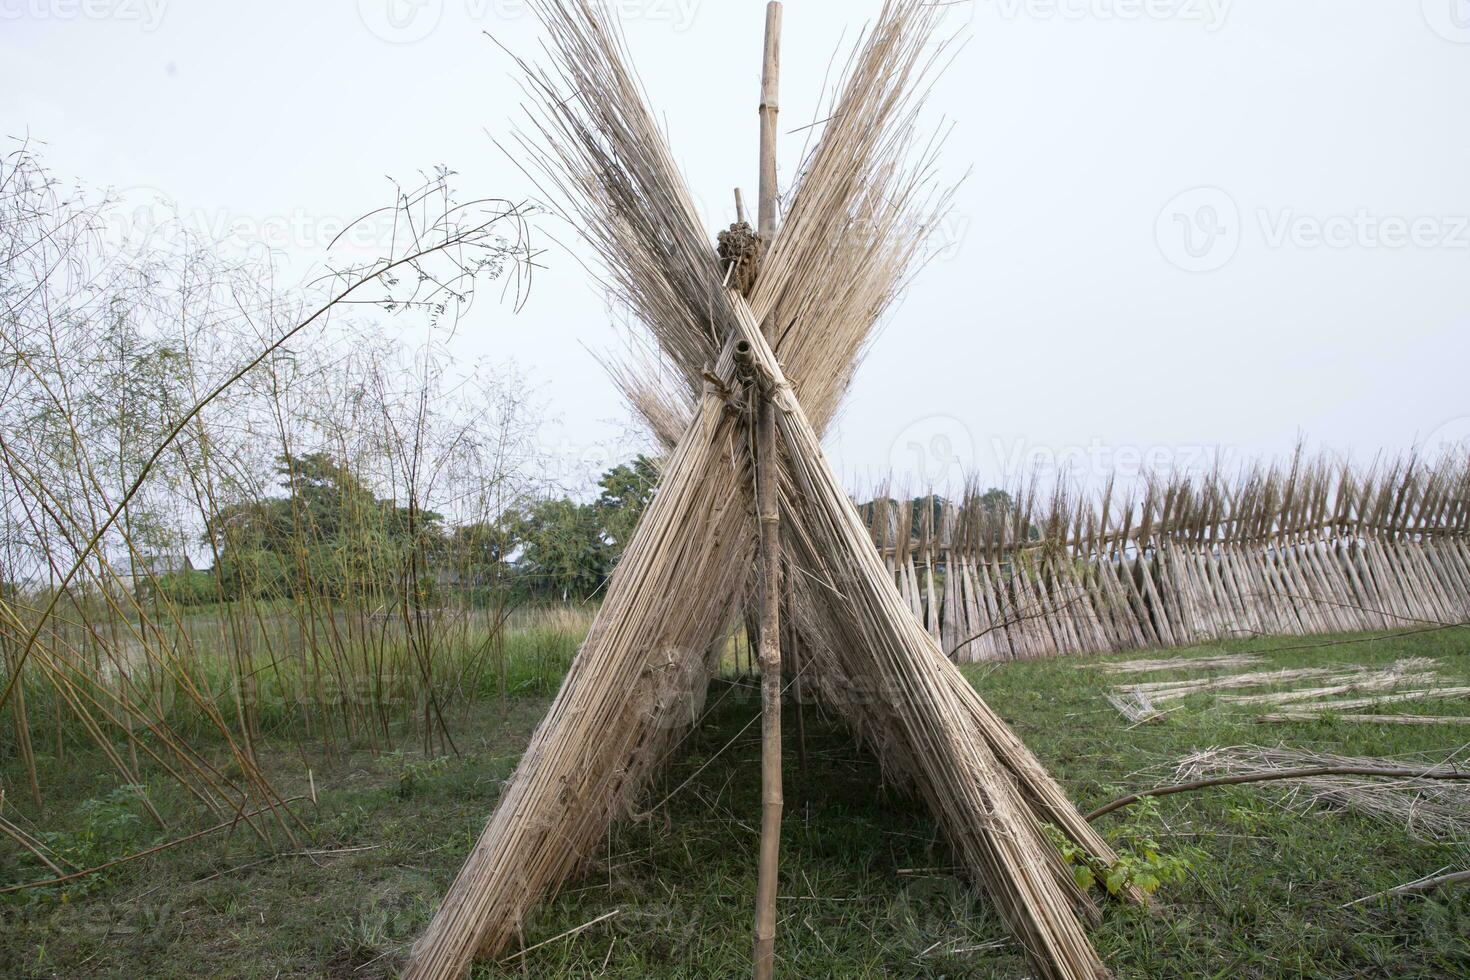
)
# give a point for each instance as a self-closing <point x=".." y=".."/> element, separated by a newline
<point x="1267" y="777"/>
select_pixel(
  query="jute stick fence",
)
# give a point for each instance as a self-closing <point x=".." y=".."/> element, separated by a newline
<point x="1314" y="547"/>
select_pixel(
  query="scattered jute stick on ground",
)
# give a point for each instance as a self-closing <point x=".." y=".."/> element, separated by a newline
<point x="86" y="872"/>
<point x="1420" y="887"/>
<point x="1169" y="690"/>
<point x="1432" y="802"/>
<point x="565" y="935"/>
<point x="1398" y="697"/>
<point x="1414" y="670"/>
<point x="33" y="846"/>
<point x="1292" y="717"/>
<point x="1139" y="702"/>
<point x="1180" y="663"/>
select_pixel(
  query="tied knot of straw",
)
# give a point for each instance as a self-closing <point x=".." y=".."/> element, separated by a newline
<point x="740" y="251"/>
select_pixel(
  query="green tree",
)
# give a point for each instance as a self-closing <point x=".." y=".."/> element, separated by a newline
<point x="328" y="535"/>
<point x="564" y="552"/>
<point x="935" y="505"/>
<point x="627" y="491"/>
<point x="476" y="556"/>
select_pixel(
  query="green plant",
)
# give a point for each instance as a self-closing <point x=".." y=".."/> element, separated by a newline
<point x="364" y="932"/>
<point x="414" y="773"/>
<point x="1142" y="862"/>
<point x="109" y="828"/>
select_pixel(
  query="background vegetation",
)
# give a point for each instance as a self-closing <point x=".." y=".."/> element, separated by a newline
<point x="230" y="510"/>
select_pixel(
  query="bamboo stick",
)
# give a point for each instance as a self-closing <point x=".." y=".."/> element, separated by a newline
<point x="770" y="659"/>
<point x="769" y="108"/>
<point x="768" y="510"/>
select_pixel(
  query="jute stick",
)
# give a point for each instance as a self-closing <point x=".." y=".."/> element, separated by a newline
<point x="1420" y="887"/>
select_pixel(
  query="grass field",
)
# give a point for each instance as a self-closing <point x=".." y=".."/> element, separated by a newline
<point x="866" y="886"/>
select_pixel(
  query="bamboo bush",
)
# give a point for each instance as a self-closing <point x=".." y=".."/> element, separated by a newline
<point x="156" y="392"/>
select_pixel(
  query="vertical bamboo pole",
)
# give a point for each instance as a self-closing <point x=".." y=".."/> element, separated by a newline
<point x="22" y="721"/>
<point x="770" y="664"/>
<point x="770" y="539"/>
<point x="789" y="653"/>
<point x="770" y="106"/>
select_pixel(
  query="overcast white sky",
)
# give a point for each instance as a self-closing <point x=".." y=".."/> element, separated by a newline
<point x="1191" y="224"/>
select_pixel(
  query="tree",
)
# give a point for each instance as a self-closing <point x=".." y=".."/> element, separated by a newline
<point x="476" y="557"/>
<point x="627" y="491"/>
<point x="995" y="504"/>
<point x="935" y="505"/>
<point x="328" y="535"/>
<point x="565" y="553"/>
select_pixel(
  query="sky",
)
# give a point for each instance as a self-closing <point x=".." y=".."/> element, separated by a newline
<point x="1185" y="229"/>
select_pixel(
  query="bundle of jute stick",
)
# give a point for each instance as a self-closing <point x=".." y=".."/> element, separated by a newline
<point x="1433" y="806"/>
<point x="847" y="242"/>
<point x="1356" y="680"/>
<point x="1140" y="701"/>
<point x="1153" y="665"/>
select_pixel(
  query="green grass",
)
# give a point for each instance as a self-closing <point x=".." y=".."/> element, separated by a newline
<point x="866" y="882"/>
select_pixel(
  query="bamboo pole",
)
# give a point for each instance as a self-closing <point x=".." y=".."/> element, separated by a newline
<point x="22" y="724"/>
<point x="768" y="508"/>
<point x="769" y="108"/>
<point x="770" y="663"/>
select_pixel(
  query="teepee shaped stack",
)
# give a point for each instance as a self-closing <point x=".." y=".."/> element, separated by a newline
<point x="854" y="224"/>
